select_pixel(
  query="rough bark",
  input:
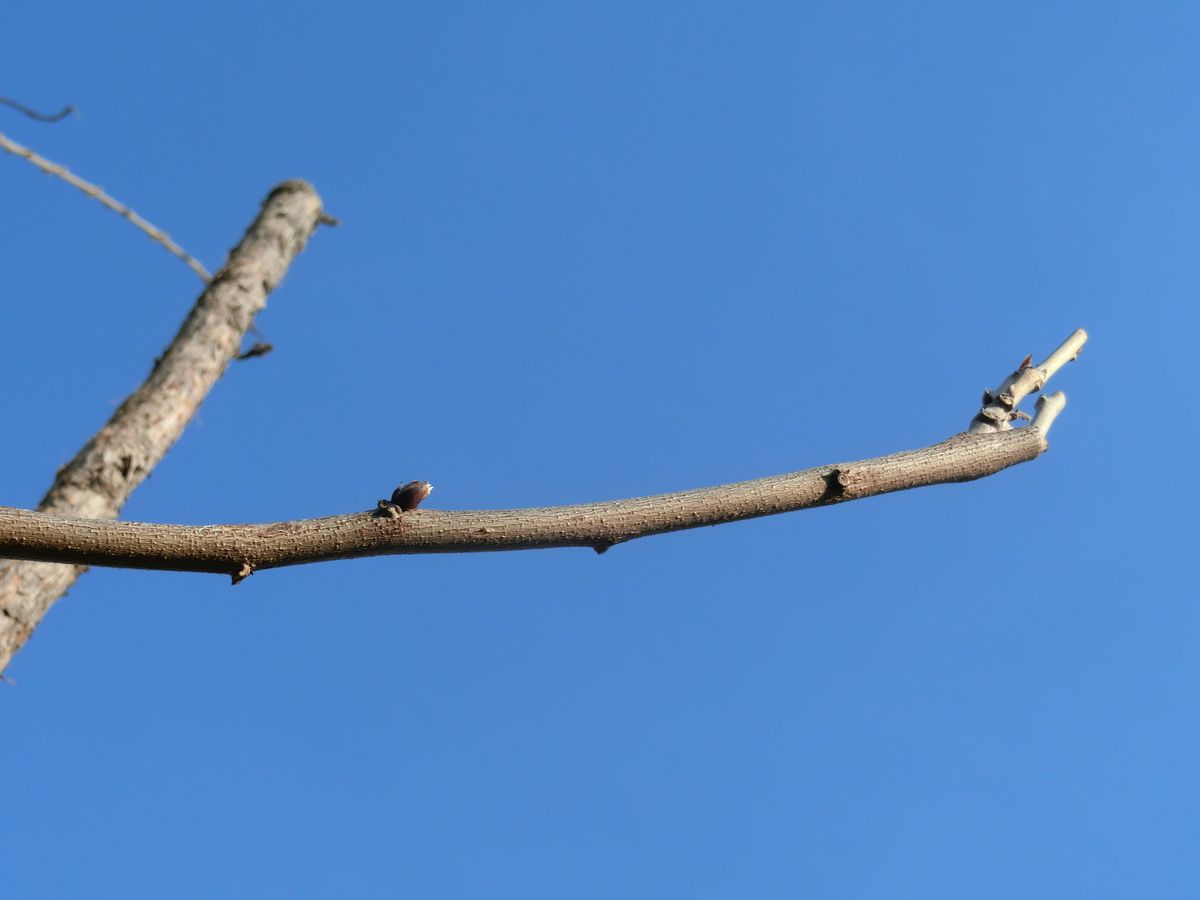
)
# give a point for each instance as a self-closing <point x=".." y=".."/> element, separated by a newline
<point x="98" y="481"/>
<point x="73" y="526"/>
<point x="239" y="550"/>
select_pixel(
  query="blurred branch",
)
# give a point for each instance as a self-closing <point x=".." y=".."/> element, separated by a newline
<point x="34" y="114"/>
<point x="258" y="348"/>
<point x="51" y="168"/>
<point x="239" y="550"/>
<point x="98" y="481"/>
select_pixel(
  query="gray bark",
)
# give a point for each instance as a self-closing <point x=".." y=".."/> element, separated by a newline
<point x="98" y="481"/>
<point x="73" y="527"/>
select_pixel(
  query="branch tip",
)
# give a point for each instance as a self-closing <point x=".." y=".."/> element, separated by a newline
<point x="1067" y="351"/>
<point x="1047" y="409"/>
<point x="1000" y="405"/>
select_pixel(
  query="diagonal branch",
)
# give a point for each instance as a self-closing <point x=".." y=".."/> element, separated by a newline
<point x="98" y="481"/>
<point x="52" y="168"/>
<point x="397" y="527"/>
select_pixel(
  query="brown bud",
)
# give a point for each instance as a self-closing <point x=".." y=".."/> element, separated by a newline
<point x="409" y="496"/>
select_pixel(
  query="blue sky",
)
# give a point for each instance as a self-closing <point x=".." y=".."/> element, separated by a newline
<point x="593" y="251"/>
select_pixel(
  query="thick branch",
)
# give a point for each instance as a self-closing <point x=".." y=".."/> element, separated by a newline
<point x="238" y="550"/>
<point x="98" y="481"/>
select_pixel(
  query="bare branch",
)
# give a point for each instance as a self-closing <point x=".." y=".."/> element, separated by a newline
<point x="155" y="234"/>
<point x="1000" y="406"/>
<point x="1048" y="407"/>
<point x="240" y="550"/>
<point x="397" y="526"/>
<point x="98" y="481"/>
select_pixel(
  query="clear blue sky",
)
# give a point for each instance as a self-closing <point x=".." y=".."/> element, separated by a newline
<point x="644" y="246"/>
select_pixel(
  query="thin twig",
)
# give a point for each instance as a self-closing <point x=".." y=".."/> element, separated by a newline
<point x="155" y="234"/>
<point x="34" y="114"/>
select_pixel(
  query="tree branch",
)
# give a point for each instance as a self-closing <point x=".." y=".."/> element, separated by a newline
<point x="52" y="168"/>
<point x="398" y="527"/>
<point x="394" y="528"/>
<point x="1000" y="406"/>
<point x="239" y="550"/>
<point x="28" y="112"/>
<point x="98" y="481"/>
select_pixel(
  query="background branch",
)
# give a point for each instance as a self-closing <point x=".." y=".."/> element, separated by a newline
<point x="52" y="168"/>
<point x="34" y="114"/>
<point x="97" y="482"/>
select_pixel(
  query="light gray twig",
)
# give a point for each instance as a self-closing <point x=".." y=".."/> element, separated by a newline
<point x="1000" y="406"/>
